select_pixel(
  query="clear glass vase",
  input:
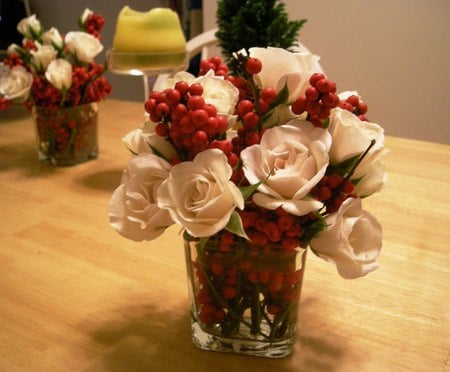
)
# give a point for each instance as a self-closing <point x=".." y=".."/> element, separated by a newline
<point x="244" y="299"/>
<point x="66" y="136"/>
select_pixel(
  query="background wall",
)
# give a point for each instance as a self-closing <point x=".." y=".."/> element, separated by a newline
<point x="395" y="53"/>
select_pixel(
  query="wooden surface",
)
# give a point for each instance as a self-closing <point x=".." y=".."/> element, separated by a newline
<point x="76" y="296"/>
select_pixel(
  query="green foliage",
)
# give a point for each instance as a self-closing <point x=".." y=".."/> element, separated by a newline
<point x="254" y="23"/>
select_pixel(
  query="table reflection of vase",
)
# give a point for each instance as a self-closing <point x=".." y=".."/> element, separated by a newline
<point x="244" y="299"/>
<point x="66" y="136"/>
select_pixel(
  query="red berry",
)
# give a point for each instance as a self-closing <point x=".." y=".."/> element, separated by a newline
<point x="182" y="87"/>
<point x="196" y="89"/>
<point x="210" y="109"/>
<point x="323" y="86"/>
<point x="250" y="120"/>
<point x="173" y="96"/>
<point x="311" y="94"/>
<point x="150" y="105"/>
<point x="353" y="100"/>
<point x="315" y="78"/>
<point x="162" y="109"/>
<point x="199" y="117"/>
<point x="216" y="60"/>
<point x="244" y="106"/>
<point x="268" y="95"/>
<point x="229" y="292"/>
<point x="253" y="66"/>
<point x="179" y="111"/>
<point x="196" y="102"/>
<point x="199" y="138"/>
<point x="299" y="105"/>
<point x="362" y="108"/>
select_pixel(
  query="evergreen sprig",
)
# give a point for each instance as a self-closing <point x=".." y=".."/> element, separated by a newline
<point x="255" y="23"/>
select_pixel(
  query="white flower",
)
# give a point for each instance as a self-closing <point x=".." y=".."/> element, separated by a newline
<point x="43" y="55"/>
<point x="133" y="209"/>
<point x="59" y="73"/>
<point x="352" y="241"/>
<point x="53" y="37"/>
<point x="289" y="161"/>
<point x="145" y="140"/>
<point x="216" y="90"/>
<point x="351" y="137"/>
<point x="86" y="13"/>
<point x="348" y="93"/>
<point x="15" y="84"/>
<point x="83" y="45"/>
<point x="13" y="48"/>
<point x="30" y="27"/>
<point x="281" y="67"/>
<point x="199" y="194"/>
<point x="219" y="92"/>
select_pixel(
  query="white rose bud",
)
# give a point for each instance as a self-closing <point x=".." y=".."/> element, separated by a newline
<point x="85" y="46"/>
<point x="59" y="73"/>
<point x="53" y="37"/>
<point x="43" y="56"/>
<point x="30" y="27"/>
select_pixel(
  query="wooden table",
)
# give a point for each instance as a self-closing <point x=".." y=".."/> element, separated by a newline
<point x="76" y="296"/>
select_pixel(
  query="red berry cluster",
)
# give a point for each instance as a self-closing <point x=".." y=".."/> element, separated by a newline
<point x="278" y="280"/>
<point x="188" y="122"/>
<point x="94" y="24"/>
<point x="4" y="103"/>
<point x="333" y="189"/>
<point x="214" y="63"/>
<point x="264" y="227"/>
<point x="67" y="131"/>
<point x="14" y="59"/>
<point x="355" y="105"/>
<point x="318" y="101"/>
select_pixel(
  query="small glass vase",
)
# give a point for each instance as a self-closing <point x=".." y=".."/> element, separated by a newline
<point x="244" y="299"/>
<point x="66" y="136"/>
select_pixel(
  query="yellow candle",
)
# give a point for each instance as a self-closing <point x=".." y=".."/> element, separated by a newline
<point x="152" y="38"/>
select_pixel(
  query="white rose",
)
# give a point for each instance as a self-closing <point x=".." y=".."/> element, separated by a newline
<point x="53" y="37"/>
<point x="199" y="194"/>
<point x="43" y="55"/>
<point x="352" y="241"/>
<point x="348" y="93"/>
<point x="219" y="92"/>
<point x="83" y="45"/>
<point x="86" y="13"/>
<point x="13" y="48"/>
<point x="216" y="90"/>
<point x="133" y="209"/>
<point x="289" y="161"/>
<point x="30" y="27"/>
<point x="145" y="140"/>
<point x="15" y="84"/>
<point x="351" y="137"/>
<point x="59" y="73"/>
<point x="281" y="67"/>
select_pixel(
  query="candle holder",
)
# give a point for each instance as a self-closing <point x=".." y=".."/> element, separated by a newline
<point x="147" y="65"/>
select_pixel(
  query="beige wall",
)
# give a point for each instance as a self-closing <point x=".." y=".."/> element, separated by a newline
<point x="395" y="53"/>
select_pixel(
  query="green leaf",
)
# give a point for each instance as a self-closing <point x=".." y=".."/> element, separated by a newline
<point x="247" y="191"/>
<point x="345" y="166"/>
<point x="235" y="226"/>
<point x="312" y="229"/>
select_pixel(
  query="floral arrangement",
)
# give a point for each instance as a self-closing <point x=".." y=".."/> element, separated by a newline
<point x="267" y="162"/>
<point x="52" y="71"/>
